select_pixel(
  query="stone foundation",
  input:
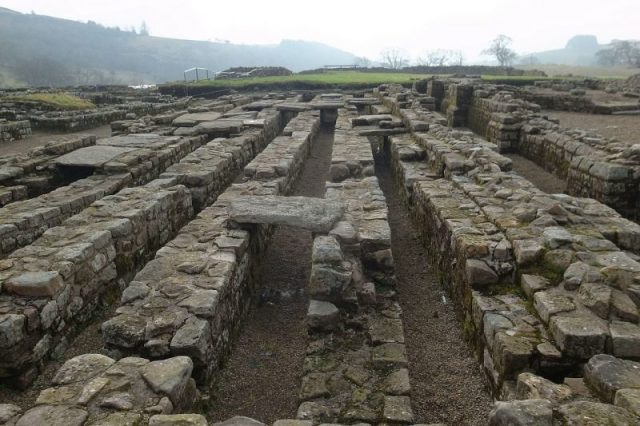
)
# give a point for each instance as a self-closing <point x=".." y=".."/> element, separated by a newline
<point x="519" y="262"/>
<point x="14" y="130"/>
<point x="190" y="299"/>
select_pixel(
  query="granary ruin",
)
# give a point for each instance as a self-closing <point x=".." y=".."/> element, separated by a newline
<point x="130" y="265"/>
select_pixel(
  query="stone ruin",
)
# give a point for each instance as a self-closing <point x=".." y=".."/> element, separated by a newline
<point x="169" y="219"/>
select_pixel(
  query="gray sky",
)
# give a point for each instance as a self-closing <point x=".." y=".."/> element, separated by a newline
<point x="364" y="28"/>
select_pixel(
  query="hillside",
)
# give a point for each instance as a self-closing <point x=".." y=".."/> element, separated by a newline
<point x="579" y="50"/>
<point x="44" y="51"/>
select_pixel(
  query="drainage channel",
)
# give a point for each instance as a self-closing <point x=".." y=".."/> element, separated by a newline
<point x="262" y="378"/>
<point x="446" y="384"/>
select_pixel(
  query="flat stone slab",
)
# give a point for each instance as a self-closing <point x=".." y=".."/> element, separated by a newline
<point x="315" y="214"/>
<point x="92" y="156"/>
<point x="190" y="120"/>
<point x="369" y="120"/>
<point x="376" y="131"/>
<point x="220" y="126"/>
<point x="295" y="107"/>
<point x="326" y="105"/>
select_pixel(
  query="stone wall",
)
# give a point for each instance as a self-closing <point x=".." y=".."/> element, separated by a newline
<point x="356" y="365"/>
<point x="592" y="166"/>
<point x="32" y="173"/>
<point x="189" y="300"/>
<point x="135" y="160"/>
<point x="543" y="281"/>
<point x="99" y="250"/>
<point x="14" y="130"/>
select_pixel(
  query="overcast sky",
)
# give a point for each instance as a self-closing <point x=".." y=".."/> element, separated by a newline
<point x="364" y="28"/>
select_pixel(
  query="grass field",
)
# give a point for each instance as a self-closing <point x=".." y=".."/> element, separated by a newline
<point x="56" y="100"/>
<point x="346" y="79"/>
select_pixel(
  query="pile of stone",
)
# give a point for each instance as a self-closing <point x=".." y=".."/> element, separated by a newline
<point x="96" y="389"/>
<point x="609" y="393"/>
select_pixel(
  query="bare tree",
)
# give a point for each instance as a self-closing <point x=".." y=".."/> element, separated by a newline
<point x="363" y="61"/>
<point x="620" y="52"/>
<point x="434" y="58"/>
<point x="144" y="29"/>
<point x="441" y="57"/>
<point x="394" y="58"/>
<point x="500" y="48"/>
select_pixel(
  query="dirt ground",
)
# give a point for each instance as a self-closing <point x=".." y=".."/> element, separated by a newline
<point x="262" y="378"/>
<point x="625" y="128"/>
<point x="447" y="385"/>
<point x="38" y="138"/>
<point x="544" y="180"/>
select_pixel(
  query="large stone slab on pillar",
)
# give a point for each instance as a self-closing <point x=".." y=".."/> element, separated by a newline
<point x="92" y="156"/>
<point x="190" y="120"/>
<point x="315" y="214"/>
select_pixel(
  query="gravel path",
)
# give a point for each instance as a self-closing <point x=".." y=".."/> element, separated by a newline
<point x="39" y="138"/>
<point x="544" y="180"/>
<point x="262" y="378"/>
<point x="447" y="384"/>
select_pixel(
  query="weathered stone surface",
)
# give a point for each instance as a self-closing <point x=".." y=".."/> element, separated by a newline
<point x="82" y="368"/>
<point x="35" y="284"/>
<point x="322" y="315"/>
<point x="9" y="412"/>
<point x="397" y="383"/>
<point x="628" y="399"/>
<point x="530" y="386"/>
<point x="580" y="337"/>
<point x="53" y="416"/>
<point x="625" y="338"/>
<point x="606" y="375"/>
<point x="178" y="420"/>
<point x="533" y="283"/>
<point x="11" y="329"/>
<point x="548" y="304"/>
<point x="479" y="274"/>
<point x="314" y="214"/>
<point x="169" y="377"/>
<point x="239" y="421"/>
<point x="585" y="413"/>
<point x="189" y="120"/>
<point x="397" y="409"/>
<point x="92" y="156"/>
<point x="596" y="297"/>
<point x="531" y="412"/>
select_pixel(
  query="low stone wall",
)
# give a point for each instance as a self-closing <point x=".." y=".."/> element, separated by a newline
<point x="542" y="280"/>
<point x="591" y="165"/>
<point x="356" y="364"/>
<point x="145" y="157"/>
<point x="33" y="173"/>
<point x="55" y="284"/>
<point x="189" y="300"/>
<point x="99" y="250"/>
<point x="14" y="130"/>
<point x="75" y="121"/>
